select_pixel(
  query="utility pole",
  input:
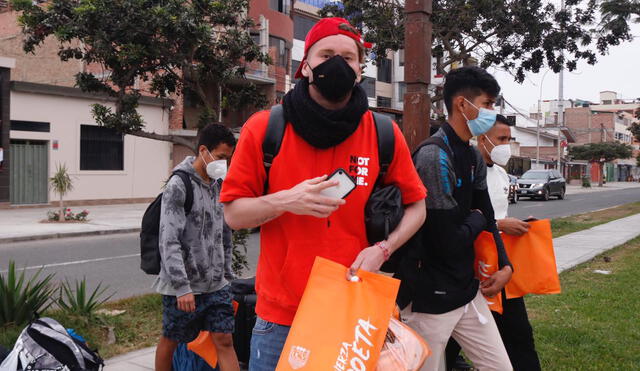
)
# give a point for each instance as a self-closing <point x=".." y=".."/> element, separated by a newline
<point x="589" y="122"/>
<point x="417" y="71"/>
<point x="538" y="136"/>
<point x="560" y="98"/>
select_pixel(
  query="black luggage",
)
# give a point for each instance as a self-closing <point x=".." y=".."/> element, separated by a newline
<point x="245" y="294"/>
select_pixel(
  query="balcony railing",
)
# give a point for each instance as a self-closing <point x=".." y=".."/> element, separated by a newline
<point x="318" y="3"/>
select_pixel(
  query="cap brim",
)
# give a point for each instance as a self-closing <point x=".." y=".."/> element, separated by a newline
<point x="298" y="74"/>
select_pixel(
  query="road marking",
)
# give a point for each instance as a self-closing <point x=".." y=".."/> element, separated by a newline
<point x="77" y="262"/>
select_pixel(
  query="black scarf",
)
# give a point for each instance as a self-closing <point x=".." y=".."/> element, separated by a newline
<point x="318" y="126"/>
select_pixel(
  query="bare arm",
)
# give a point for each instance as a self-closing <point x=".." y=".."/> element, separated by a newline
<point x="414" y="216"/>
<point x="371" y="258"/>
<point x="303" y="199"/>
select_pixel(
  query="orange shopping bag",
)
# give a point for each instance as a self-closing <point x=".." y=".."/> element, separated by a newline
<point x="203" y="345"/>
<point x="339" y="325"/>
<point x="486" y="264"/>
<point x="534" y="262"/>
<point x="403" y="350"/>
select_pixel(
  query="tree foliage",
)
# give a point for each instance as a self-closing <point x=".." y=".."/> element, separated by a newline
<point x="168" y="46"/>
<point x="515" y="35"/>
<point x="608" y="151"/>
<point x="616" y="17"/>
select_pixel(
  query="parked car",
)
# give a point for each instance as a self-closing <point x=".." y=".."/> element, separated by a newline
<point x="513" y="189"/>
<point x="542" y="184"/>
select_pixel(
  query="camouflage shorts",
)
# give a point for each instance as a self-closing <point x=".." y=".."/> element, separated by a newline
<point x="214" y="312"/>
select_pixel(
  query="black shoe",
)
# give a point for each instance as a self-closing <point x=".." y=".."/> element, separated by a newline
<point x="461" y="364"/>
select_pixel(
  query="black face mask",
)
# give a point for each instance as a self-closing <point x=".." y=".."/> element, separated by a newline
<point x="334" y="78"/>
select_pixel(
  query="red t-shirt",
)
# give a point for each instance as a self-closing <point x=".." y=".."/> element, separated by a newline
<point x="290" y="243"/>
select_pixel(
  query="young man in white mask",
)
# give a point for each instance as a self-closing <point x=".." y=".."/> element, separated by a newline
<point x="196" y="253"/>
<point x="513" y="324"/>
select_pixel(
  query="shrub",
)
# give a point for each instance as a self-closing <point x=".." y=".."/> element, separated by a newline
<point x="22" y="299"/>
<point x="77" y="301"/>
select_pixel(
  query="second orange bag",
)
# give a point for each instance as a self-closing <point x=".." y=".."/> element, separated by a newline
<point x="535" y="270"/>
<point x="532" y="256"/>
<point x="339" y="325"/>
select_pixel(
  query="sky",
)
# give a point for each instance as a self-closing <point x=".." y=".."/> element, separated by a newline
<point x="618" y="71"/>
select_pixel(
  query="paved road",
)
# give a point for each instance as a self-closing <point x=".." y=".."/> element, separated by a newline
<point x="114" y="258"/>
<point x="573" y="204"/>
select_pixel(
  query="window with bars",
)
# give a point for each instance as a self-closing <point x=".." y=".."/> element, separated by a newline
<point x="369" y="86"/>
<point x="384" y="70"/>
<point x="281" y="52"/>
<point x="101" y="148"/>
<point x="282" y="6"/>
<point x="301" y="26"/>
<point x="383" y="102"/>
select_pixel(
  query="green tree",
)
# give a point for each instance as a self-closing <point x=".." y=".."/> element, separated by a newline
<point x="514" y="35"/>
<point x="616" y="17"/>
<point x="200" y="47"/>
<point x="600" y="153"/>
<point x="61" y="183"/>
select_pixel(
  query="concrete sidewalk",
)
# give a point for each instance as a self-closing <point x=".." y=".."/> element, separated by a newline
<point x="611" y="186"/>
<point x="570" y="250"/>
<point x="25" y="224"/>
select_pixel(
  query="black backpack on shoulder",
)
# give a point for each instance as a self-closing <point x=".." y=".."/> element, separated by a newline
<point x="393" y="264"/>
<point x="150" y="231"/>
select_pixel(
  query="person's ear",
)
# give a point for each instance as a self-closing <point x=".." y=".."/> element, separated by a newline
<point x="460" y="103"/>
<point x="306" y="69"/>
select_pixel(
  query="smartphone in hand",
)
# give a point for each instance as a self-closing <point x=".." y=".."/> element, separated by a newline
<point x="530" y="220"/>
<point x="346" y="184"/>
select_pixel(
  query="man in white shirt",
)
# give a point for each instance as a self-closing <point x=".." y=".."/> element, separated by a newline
<point x="513" y="324"/>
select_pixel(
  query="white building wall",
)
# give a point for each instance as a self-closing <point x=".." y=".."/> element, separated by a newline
<point x="527" y="139"/>
<point x="146" y="162"/>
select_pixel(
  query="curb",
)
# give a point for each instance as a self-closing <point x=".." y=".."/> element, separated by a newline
<point x="68" y="234"/>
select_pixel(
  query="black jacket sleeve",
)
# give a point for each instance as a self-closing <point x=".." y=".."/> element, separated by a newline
<point x="444" y="226"/>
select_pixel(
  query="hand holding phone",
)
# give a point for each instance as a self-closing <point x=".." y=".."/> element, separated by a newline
<point x="346" y="184"/>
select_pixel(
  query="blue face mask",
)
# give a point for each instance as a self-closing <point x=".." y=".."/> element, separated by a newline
<point x="483" y="123"/>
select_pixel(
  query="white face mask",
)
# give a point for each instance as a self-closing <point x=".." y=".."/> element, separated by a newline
<point x="216" y="169"/>
<point x="499" y="154"/>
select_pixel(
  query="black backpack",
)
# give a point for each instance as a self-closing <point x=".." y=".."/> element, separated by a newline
<point x="46" y="345"/>
<point x="393" y="264"/>
<point x="150" y="231"/>
<point x="384" y="209"/>
<point x="244" y="293"/>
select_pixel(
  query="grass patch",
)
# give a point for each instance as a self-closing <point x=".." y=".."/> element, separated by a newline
<point x="139" y="327"/>
<point x="576" y="223"/>
<point x="593" y="324"/>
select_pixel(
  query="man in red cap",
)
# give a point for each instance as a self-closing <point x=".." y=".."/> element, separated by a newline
<point x="328" y="127"/>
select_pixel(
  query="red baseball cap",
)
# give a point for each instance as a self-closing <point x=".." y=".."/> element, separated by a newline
<point x="328" y="27"/>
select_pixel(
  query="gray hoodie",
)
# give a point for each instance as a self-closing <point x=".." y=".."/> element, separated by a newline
<point x="196" y="249"/>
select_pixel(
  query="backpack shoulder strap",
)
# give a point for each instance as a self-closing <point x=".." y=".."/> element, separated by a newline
<point x="273" y="139"/>
<point x="438" y="141"/>
<point x="188" y="202"/>
<point x="386" y="143"/>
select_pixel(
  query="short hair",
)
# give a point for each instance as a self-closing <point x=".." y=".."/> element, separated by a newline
<point x="503" y="120"/>
<point x="362" y="50"/>
<point x="213" y="135"/>
<point x="470" y="82"/>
